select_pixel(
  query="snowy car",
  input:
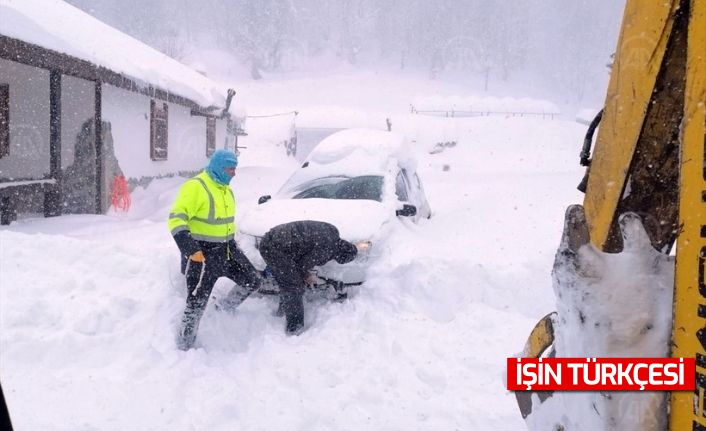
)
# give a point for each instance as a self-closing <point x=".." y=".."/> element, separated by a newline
<point x="361" y="181"/>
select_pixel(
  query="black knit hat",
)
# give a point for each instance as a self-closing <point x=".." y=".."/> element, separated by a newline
<point x="345" y="252"/>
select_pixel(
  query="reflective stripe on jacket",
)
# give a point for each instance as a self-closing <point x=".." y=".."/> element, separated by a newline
<point x="205" y="208"/>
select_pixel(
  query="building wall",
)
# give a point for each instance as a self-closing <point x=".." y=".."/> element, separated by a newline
<point x="129" y="116"/>
<point x="77" y="106"/>
<point x="126" y="138"/>
<point x="29" y="122"/>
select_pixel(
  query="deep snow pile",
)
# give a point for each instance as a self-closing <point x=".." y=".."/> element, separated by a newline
<point x="610" y="305"/>
<point x="88" y="305"/>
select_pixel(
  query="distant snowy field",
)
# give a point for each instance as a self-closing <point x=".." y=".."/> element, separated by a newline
<point x="89" y="304"/>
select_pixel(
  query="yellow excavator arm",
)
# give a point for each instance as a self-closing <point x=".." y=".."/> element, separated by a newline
<point x="650" y="159"/>
<point x="637" y="142"/>
<point x="689" y="325"/>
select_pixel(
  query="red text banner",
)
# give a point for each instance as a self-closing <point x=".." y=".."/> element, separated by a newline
<point x="604" y="374"/>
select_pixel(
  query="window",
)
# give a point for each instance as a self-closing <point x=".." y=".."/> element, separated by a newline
<point x="365" y="187"/>
<point x="158" y="131"/>
<point x="210" y="136"/>
<point x="4" y="120"/>
<point x="401" y="187"/>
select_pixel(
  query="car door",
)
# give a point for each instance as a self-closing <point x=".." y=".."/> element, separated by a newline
<point x="409" y="193"/>
<point x="402" y="187"/>
<point x="415" y="193"/>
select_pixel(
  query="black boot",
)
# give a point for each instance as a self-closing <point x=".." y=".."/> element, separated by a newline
<point x="189" y="325"/>
<point x="293" y="307"/>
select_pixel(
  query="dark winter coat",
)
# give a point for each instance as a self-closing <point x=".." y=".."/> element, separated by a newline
<point x="304" y="245"/>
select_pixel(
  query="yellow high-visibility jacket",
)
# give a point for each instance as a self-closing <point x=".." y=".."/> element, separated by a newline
<point x="205" y="208"/>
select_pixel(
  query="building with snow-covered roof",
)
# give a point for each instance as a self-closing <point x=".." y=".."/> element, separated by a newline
<point x="82" y="103"/>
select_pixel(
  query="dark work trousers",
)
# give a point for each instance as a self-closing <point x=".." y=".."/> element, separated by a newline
<point x="222" y="260"/>
<point x="287" y="273"/>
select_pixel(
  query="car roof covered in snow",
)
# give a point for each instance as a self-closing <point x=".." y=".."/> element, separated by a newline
<point x="363" y="151"/>
<point x="58" y="26"/>
<point x="354" y="152"/>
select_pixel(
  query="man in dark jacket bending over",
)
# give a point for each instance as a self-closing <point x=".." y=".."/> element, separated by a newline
<point x="291" y="250"/>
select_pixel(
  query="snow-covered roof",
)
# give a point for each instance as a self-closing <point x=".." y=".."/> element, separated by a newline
<point x="58" y="26"/>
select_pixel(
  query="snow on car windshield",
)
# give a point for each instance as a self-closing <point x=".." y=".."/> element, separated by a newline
<point x="363" y="187"/>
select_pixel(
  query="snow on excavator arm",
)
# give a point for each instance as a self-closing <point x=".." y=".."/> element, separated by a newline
<point x="650" y="159"/>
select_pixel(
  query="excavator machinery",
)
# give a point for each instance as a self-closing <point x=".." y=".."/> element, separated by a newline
<point x="649" y="161"/>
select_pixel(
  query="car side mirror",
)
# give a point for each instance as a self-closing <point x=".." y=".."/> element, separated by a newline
<point x="407" y="211"/>
<point x="263" y="199"/>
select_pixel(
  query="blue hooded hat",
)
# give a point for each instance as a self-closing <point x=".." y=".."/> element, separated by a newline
<point x="220" y="160"/>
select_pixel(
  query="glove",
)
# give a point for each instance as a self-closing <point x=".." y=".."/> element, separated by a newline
<point x="198" y="257"/>
<point x="311" y="280"/>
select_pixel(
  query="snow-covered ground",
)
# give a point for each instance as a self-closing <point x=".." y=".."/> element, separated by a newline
<point x="89" y="304"/>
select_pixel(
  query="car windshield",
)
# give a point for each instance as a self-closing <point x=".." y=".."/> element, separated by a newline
<point x="363" y="187"/>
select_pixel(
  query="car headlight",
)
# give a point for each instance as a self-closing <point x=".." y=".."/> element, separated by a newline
<point x="364" y="247"/>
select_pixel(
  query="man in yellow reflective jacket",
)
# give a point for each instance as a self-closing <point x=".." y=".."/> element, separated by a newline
<point x="202" y="222"/>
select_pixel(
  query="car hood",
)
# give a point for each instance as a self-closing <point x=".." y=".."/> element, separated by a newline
<point x="356" y="219"/>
